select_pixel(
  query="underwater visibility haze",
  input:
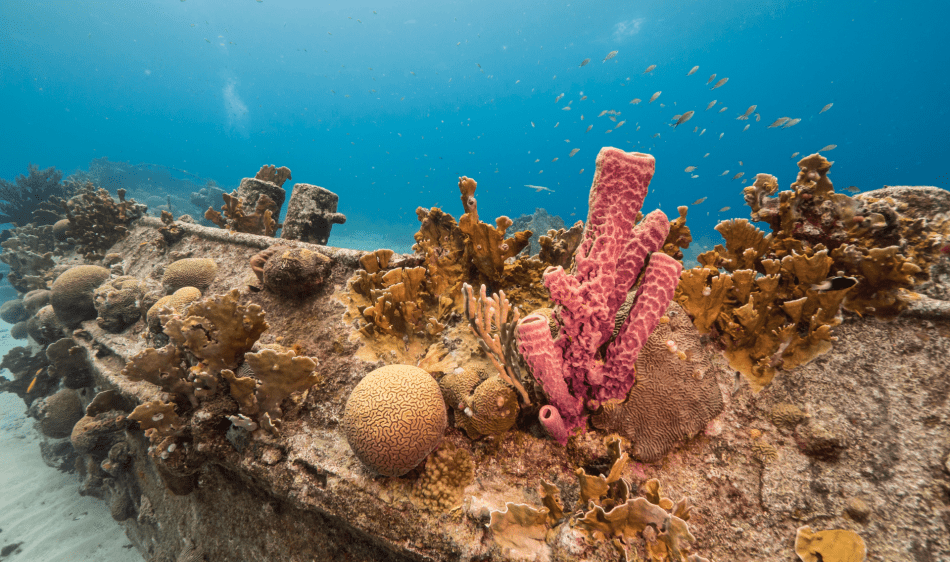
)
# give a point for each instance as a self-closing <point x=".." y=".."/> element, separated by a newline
<point x="625" y="390"/>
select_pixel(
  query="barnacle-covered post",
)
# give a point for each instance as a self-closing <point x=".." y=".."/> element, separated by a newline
<point x="486" y="311"/>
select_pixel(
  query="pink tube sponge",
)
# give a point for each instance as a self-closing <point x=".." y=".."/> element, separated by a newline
<point x="608" y="263"/>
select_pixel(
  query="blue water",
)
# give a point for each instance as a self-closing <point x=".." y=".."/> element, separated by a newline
<point x="219" y="88"/>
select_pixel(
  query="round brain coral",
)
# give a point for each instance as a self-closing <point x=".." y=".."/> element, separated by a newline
<point x="190" y="272"/>
<point x="394" y="418"/>
<point x="295" y="272"/>
<point x="71" y="295"/>
<point x="63" y="410"/>
<point x="118" y="303"/>
<point x="177" y="301"/>
<point x="13" y="311"/>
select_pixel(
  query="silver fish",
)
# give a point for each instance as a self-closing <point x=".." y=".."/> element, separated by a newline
<point x="721" y="135"/>
<point x="649" y="69"/>
<point x="689" y="168"/>
<point x="829" y="147"/>
<point x="739" y="175"/>
<point x="589" y="127"/>
<point x="720" y="83"/>
<point x="684" y="118"/>
<point x="826" y="108"/>
<point x="635" y="101"/>
<point x="793" y="155"/>
<point x="557" y="99"/>
<point x="604" y="112"/>
<point x="701" y="132"/>
<point x="724" y="173"/>
<point x="620" y="124"/>
<point x="746" y="128"/>
<point x="655" y="135"/>
<point x="724" y="209"/>
<point x="707" y="154"/>
<point x="539" y="188"/>
<point x="609" y="56"/>
<point x="692" y="71"/>
<point x="554" y="159"/>
<point x="791" y="123"/>
<point x="711" y="78"/>
<point x="654" y="96"/>
<point x="573" y="152"/>
<point x="566" y="108"/>
<point x="778" y="122"/>
<point x="711" y="104"/>
<point x="723" y="109"/>
<point x="699" y="201"/>
<point x="747" y="113"/>
<point x="584" y="62"/>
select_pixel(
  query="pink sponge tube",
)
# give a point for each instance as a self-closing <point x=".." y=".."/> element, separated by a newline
<point x="553" y="424"/>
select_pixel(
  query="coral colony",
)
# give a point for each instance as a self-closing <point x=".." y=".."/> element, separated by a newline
<point x="164" y="354"/>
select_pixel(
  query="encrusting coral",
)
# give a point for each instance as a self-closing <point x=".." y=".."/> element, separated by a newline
<point x="676" y="393"/>
<point x="394" y="418"/>
<point x="447" y="472"/>
<point x="608" y="262"/>
<point x="836" y="545"/>
<point x="779" y="296"/>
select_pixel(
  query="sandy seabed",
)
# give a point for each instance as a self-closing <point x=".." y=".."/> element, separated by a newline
<point x="40" y="507"/>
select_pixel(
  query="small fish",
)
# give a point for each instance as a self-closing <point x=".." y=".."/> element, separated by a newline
<point x="711" y="104"/>
<point x="557" y="99"/>
<point x="853" y="188"/>
<point x="635" y="101"/>
<point x="740" y="162"/>
<point x="554" y="159"/>
<point x="654" y="96"/>
<point x="536" y="160"/>
<point x="705" y="155"/>
<point x="711" y="78"/>
<point x="689" y="168"/>
<point x="747" y="113"/>
<point x="532" y="123"/>
<point x="612" y="118"/>
<point x="649" y="69"/>
<point x="558" y="123"/>
<point x="698" y="201"/>
<point x="723" y="109"/>
<point x="696" y="129"/>
<point x="573" y="152"/>
<point x="835" y="284"/>
<point x="604" y="112"/>
<point x="584" y="62"/>
<point x="721" y="83"/>
<point x="589" y="127"/>
<point x="459" y="43"/>
<point x="539" y="188"/>
<point x="724" y="209"/>
<point x="829" y="147"/>
<point x="566" y="108"/>
<point x="826" y="108"/>
<point x="793" y="155"/>
<point x="694" y="176"/>
<point x="739" y="175"/>
<point x="609" y="56"/>
<point x="620" y="124"/>
<point x="692" y="71"/>
<point x="724" y="173"/>
<point x="476" y="64"/>
<point x="778" y="122"/>
<point x="582" y="171"/>
<point x="758" y="117"/>
<point x="655" y="135"/>
<point x="583" y="98"/>
<point x="684" y="118"/>
<point x="701" y="132"/>
<point x="791" y="123"/>
<point x="746" y="128"/>
<point x="582" y="116"/>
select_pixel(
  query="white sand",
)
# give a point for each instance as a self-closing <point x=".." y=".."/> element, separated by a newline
<point x="40" y="506"/>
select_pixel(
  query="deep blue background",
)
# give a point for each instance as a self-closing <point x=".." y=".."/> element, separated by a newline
<point x="219" y="88"/>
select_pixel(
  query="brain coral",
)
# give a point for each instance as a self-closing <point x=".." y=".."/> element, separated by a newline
<point x="13" y="311"/>
<point x="177" y="301"/>
<point x="19" y="331"/>
<point x="190" y="272"/>
<point x="35" y="300"/>
<point x="63" y="410"/>
<point x="394" y="418"/>
<point x="44" y="326"/>
<point x="71" y="295"/>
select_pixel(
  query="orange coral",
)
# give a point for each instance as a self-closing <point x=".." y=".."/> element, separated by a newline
<point x="486" y="244"/>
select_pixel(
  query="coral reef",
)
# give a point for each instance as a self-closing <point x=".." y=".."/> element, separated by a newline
<point x="779" y="296"/>
<point x="394" y="418"/>
<point x="235" y="218"/>
<point x="45" y="326"/>
<point x="118" y="303"/>
<point x="13" y="311"/>
<point x="190" y="272"/>
<point x="19" y="198"/>
<point x="607" y="264"/>
<point x="72" y="293"/>
<point x="487" y="244"/>
<point x="69" y="363"/>
<point x="29" y="253"/>
<point x="539" y="221"/>
<point x="97" y="221"/>
<point x="557" y="247"/>
<point x="311" y="213"/>
<point x="483" y="407"/>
